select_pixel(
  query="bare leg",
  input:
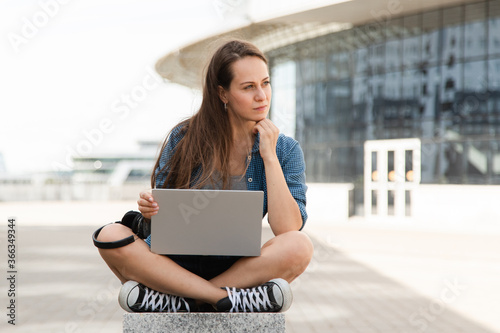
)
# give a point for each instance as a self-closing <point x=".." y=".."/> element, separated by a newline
<point x="284" y="256"/>
<point x="136" y="262"/>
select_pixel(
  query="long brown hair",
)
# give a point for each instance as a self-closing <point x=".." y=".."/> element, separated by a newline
<point x="208" y="134"/>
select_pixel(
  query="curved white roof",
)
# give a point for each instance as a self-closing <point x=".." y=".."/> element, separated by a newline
<point x="185" y="66"/>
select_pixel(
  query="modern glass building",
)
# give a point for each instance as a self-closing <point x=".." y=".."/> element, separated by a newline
<point x="433" y="75"/>
<point x="357" y="70"/>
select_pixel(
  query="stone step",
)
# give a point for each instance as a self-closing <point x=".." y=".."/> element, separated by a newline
<point x="203" y="322"/>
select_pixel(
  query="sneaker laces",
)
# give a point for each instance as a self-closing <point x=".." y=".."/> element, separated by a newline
<point x="154" y="300"/>
<point x="249" y="299"/>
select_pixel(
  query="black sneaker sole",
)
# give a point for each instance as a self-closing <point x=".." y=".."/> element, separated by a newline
<point x="125" y="293"/>
<point x="286" y="293"/>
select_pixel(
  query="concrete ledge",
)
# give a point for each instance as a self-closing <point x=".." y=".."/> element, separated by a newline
<point x="203" y="322"/>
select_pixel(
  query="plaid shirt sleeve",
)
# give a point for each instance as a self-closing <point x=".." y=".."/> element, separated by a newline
<point x="294" y="168"/>
<point x="175" y="136"/>
<point x="292" y="163"/>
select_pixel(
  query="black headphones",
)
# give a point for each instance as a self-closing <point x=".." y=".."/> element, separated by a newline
<point x="111" y="245"/>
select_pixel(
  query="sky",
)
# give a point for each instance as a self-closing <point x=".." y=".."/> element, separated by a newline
<point x="77" y="77"/>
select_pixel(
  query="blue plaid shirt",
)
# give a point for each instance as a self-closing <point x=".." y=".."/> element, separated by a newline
<point x="289" y="154"/>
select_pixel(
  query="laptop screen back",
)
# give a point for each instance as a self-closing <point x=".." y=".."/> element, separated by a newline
<point x="207" y="222"/>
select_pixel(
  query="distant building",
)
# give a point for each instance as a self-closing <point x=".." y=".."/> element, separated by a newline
<point x="97" y="177"/>
<point x="116" y="169"/>
<point x="114" y="176"/>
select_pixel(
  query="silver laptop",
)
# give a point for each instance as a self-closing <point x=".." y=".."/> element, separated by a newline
<point x="207" y="222"/>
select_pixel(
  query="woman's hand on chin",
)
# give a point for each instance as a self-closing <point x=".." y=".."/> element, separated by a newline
<point x="268" y="138"/>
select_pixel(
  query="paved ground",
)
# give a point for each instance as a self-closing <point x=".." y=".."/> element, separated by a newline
<point x="362" y="279"/>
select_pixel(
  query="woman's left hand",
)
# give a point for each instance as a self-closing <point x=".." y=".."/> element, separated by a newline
<point x="268" y="138"/>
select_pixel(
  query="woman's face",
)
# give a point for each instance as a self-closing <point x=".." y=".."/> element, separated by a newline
<point x="249" y="95"/>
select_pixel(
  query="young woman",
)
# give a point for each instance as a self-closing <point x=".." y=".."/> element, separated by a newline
<point x="228" y="144"/>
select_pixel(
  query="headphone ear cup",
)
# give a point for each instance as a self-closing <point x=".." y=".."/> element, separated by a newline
<point x="135" y="221"/>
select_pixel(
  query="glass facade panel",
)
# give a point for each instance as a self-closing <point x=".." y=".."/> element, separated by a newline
<point x="494" y="75"/>
<point x="433" y="75"/>
<point x="344" y="65"/>
<point x="494" y="27"/>
<point x="475" y="78"/>
<point x="452" y="40"/>
<point x="430" y="38"/>
<point x="361" y="61"/>
<point x="284" y="100"/>
<point x="475" y="36"/>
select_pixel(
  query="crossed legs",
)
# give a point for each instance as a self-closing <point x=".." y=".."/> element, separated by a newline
<point x="285" y="256"/>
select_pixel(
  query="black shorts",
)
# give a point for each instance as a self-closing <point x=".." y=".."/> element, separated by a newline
<point x="207" y="267"/>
